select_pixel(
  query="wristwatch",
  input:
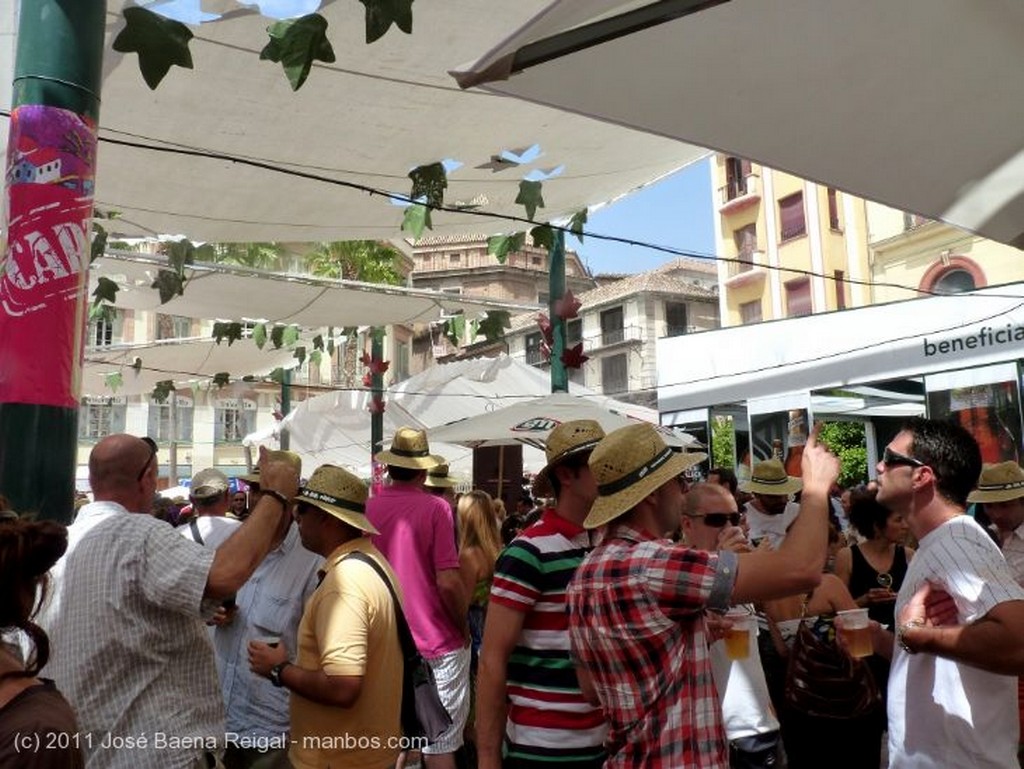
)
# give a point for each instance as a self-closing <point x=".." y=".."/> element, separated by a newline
<point x="275" y="673"/>
<point x="285" y="502"/>
<point x="901" y="631"/>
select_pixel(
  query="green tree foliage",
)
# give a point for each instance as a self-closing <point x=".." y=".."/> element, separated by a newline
<point x="364" y="260"/>
<point x="846" y="440"/>
<point x="258" y="256"/>
<point x="723" y="442"/>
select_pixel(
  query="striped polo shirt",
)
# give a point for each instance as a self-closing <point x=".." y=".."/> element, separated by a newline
<point x="548" y="717"/>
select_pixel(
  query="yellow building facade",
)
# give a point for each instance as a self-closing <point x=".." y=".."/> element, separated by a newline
<point x="787" y="246"/>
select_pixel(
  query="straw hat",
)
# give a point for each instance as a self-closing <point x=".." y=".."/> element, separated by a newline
<point x="409" y="448"/>
<point x="999" y="483"/>
<point x="437" y="478"/>
<point x="769" y="477"/>
<point x="338" y="492"/>
<point x="564" y="441"/>
<point x="629" y="464"/>
<point x="253" y="478"/>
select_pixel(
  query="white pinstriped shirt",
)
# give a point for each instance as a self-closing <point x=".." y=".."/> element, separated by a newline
<point x="943" y="712"/>
<point x="129" y="649"/>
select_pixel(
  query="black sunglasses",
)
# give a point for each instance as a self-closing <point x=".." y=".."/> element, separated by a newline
<point x="892" y="458"/>
<point x="152" y="453"/>
<point x="718" y="520"/>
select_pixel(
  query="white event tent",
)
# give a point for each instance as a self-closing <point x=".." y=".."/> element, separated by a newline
<point x="335" y="427"/>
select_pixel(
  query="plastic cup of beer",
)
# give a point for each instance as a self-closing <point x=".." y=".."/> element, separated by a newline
<point x="855" y="628"/>
<point x="737" y="637"/>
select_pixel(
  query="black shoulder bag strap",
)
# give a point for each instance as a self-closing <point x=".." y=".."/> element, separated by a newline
<point x="409" y="650"/>
<point x="194" y="526"/>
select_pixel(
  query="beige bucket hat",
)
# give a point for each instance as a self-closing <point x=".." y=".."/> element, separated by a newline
<point x="629" y="464"/>
<point x="566" y="440"/>
<point x="769" y="477"/>
<point x="337" y="492"/>
<point x="409" y="448"/>
<point x="437" y="478"/>
<point x="999" y="483"/>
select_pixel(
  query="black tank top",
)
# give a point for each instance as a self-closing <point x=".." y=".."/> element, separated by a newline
<point x="863" y="578"/>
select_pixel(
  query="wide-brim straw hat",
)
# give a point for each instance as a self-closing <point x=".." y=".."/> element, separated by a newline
<point x="339" y="493"/>
<point x="253" y="478"/>
<point x="437" y="478"/>
<point x="409" y="448"/>
<point x="769" y="477"/>
<point x="566" y="440"/>
<point x="629" y="464"/>
<point x="1000" y="482"/>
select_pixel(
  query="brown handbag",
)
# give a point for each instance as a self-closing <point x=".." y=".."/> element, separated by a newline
<point x="823" y="681"/>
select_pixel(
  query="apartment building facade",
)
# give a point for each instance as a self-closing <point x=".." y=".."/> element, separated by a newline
<point x="619" y="323"/>
<point x="787" y="247"/>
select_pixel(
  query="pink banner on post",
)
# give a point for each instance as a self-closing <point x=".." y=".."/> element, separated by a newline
<point x="51" y="160"/>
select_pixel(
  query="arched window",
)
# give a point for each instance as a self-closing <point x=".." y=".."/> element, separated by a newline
<point x="954" y="281"/>
<point x="953" y="275"/>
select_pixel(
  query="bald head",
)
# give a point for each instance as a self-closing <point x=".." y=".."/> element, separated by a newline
<point x="708" y="497"/>
<point x="115" y="464"/>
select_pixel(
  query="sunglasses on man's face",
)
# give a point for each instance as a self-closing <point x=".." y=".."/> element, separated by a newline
<point x="718" y="520"/>
<point x="892" y="458"/>
<point x="152" y="453"/>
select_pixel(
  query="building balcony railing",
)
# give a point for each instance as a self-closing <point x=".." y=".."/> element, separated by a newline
<point x="745" y="262"/>
<point x="614" y="336"/>
<point x="737" y="194"/>
<point x="535" y="357"/>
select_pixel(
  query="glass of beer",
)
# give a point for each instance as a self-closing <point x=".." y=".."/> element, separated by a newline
<point x="855" y="629"/>
<point x="737" y="637"/>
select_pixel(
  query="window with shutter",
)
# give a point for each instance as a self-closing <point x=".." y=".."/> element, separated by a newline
<point x="798" y="297"/>
<point x="791" y="216"/>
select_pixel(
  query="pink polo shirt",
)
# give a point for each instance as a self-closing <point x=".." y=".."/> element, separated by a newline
<point x="417" y="536"/>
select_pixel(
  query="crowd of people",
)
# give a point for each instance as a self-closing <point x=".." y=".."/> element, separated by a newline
<point x="633" y="619"/>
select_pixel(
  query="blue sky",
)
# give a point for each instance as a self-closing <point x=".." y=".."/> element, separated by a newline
<point x="676" y="212"/>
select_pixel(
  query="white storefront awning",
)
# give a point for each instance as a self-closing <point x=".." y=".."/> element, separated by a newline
<point x="852" y="347"/>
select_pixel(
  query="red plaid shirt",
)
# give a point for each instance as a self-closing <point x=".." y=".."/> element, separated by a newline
<point x="636" y="621"/>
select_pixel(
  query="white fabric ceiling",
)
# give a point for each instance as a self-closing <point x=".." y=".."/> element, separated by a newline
<point x="917" y="104"/>
<point x="183" y="361"/>
<point x="376" y="113"/>
<point x="234" y="293"/>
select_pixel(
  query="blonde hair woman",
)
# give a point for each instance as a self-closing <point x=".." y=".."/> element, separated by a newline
<point x="479" y="545"/>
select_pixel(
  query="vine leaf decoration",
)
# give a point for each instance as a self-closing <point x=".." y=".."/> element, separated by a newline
<point x="104" y="296"/>
<point x="277" y="375"/>
<point x="568" y="306"/>
<point x="162" y="390"/>
<point x="230" y="331"/>
<point x="277" y="336"/>
<point x="161" y="43"/>
<point x="137" y="365"/>
<point x="546" y="332"/>
<point x="259" y="335"/>
<point x="530" y="197"/>
<point x="574" y="357"/>
<point x="416" y="219"/>
<point x="502" y="245"/>
<point x="429" y="181"/>
<point x="381" y="14"/>
<point x="99" y="233"/>
<point x="576" y="223"/>
<point x="300" y="354"/>
<point x="315" y="357"/>
<point x="494" y="325"/>
<point x="114" y="380"/>
<point x="543" y="236"/>
<point x="221" y="379"/>
<point x="171" y="283"/>
<point x="290" y="335"/>
<point x="295" y="44"/>
<point x="454" y="329"/>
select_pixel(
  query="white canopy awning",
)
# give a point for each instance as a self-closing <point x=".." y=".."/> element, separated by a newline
<point x="183" y="361"/>
<point x="917" y="103"/>
<point x="829" y="350"/>
<point x="183" y="158"/>
<point x="233" y="293"/>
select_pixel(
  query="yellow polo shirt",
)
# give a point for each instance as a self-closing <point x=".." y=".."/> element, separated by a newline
<point x="348" y="629"/>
